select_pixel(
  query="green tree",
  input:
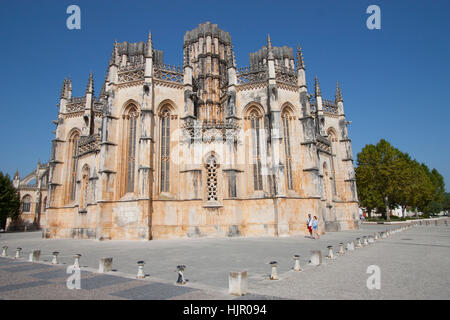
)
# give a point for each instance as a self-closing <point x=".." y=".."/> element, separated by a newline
<point x="9" y="200"/>
<point x="447" y="202"/>
<point x="421" y="188"/>
<point x="378" y="176"/>
<point x="437" y="202"/>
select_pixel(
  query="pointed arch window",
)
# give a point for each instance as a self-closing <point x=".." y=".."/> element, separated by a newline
<point x="165" y="150"/>
<point x="287" y="150"/>
<point x="256" y="150"/>
<point x="84" y="188"/>
<point x="26" y="204"/>
<point x="332" y="137"/>
<point x="74" y="140"/>
<point x="131" y="122"/>
<point x="211" y="178"/>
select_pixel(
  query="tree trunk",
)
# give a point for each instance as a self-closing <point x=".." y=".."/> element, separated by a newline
<point x="386" y="203"/>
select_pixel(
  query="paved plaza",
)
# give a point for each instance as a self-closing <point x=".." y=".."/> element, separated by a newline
<point x="413" y="265"/>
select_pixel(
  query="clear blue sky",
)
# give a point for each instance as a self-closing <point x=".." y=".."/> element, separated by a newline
<point x="395" y="80"/>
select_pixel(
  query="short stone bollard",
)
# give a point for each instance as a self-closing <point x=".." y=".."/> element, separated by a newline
<point x="371" y="239"/>
<point x="140" y="273"/>
<point x="76" y="263"/>
<point x="376" y="236"/>
<point x="341" y="248"/>
<point x="383" y="235"/>
<point x="330" y="254"/>
<point x="316" y="258"/>
<point x="4" y="251"/>
<point x="55" y="257"/>
<point x="34" y="255"/>
<point x="237" y="283"/>
<point x="180" y="270"/>
<point x="435" y="223"/>
<point x="273" y="273"/>
<point x="420" y="223"/>
<point x="358" y="243"/>
<point x="18" y="253"/>
<point x="105" y="265"/>
<point x="446" y="223"/>
<point x="365" y="243"/>
<point x="350" y="246"/>
<point x="297" y="263"/>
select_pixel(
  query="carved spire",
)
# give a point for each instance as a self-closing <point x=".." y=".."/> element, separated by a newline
<point x="186" y="57"/>
<point x="269" y="48"/>
<point x="231" y="59"/>
<point x="90" y="85"/>
<point x="300" y="62"/>
<point x="338" y="95"/>
<point x="69" y="84"/>
<point x="233" y="56"/>
<point x="112" y="59"/>
<point x="64" y="89"/>
<point x="16" y="175"/>
<point x="149" y="49"/>
<point x="317" y="92"/>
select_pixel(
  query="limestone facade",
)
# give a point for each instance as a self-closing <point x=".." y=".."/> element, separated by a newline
<point x="205" y="149"/>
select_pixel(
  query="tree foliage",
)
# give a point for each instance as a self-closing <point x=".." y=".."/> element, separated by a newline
<point x="387" y="178"/>
<point x="9" y="199"/>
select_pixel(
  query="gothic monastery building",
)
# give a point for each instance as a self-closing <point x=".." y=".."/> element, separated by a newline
<point x="202" y="150"/>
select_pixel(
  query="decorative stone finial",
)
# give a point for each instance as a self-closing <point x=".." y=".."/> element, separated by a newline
<point x="149" y="48"/>
<point x="63" y="88"/>
<point x="90" y="85"/>
<point x="300" y="62"/>
<point x="269" y="48"/>
<point x="338" y="95"/>
<point x="317" y="87"/>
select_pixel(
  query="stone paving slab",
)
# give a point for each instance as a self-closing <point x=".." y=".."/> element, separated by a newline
<point x="24" y="268"/>
<point x="54" y="274"/>
<point x="24" y="285"/>
<point x="100" y="281"/>
<point x="153" y="291"/>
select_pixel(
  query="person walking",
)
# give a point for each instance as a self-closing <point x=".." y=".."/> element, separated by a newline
<point x="315" y="227"/>
<point x="309" y="222"/>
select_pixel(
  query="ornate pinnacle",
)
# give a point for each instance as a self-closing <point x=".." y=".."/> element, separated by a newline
<point x="90" y="85"/>
<point x="149" y="51"/>
<point x="300" y="62"/>
<point x="16" y="175"/>
<point x="186" y="57"/>
<point x="317" y="87"/>
<point x="269" y="48"/>
<point x="112" y="59"/>
<point x="338" y="95"/>
<point x="149" y="37"/>
<point x="63" y="89"/>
